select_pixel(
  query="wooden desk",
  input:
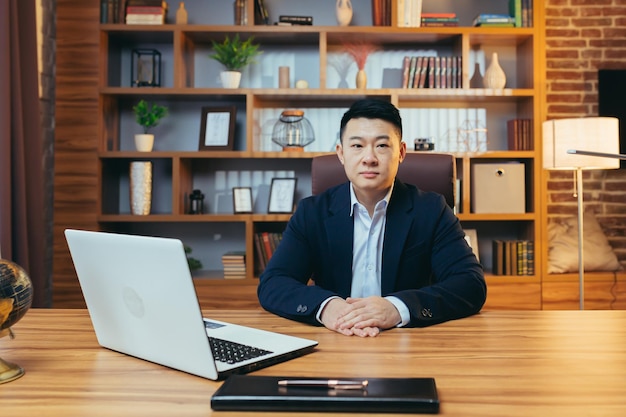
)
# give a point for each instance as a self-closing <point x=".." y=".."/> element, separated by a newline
<point x="531" y="363"/>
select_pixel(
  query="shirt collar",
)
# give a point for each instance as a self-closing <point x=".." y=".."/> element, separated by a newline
<point x="354" y="200"/>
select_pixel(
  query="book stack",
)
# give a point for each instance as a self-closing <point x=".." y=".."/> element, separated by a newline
<point x="513" y="257"/>
<point x="519" y="134"/>
<point x="295" y="20"/>
<point x="494" y="20"/>
<point x="439" y="20"/>
<point x="381" y="12"/>
<point x="409" y="13"/>
<point x="234" y="263"/>
<point x="521" y="12"/>
<point x="432" y="72"/>
<point x="265" y="243"/>
<point x="146" y="12"/>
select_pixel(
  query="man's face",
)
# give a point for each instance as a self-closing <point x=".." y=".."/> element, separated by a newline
<point x="371" y="152"/>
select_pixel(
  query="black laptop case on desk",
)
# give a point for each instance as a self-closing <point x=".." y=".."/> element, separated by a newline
<point x="382" y="395"/>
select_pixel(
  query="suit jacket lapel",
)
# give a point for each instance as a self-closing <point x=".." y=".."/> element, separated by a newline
<point x="340" y="234"/>
<point x="396" y="232"/>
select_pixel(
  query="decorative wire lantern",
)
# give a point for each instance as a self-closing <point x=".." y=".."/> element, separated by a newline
<point x="145" y="68"/>
<point x="293" y="131"/>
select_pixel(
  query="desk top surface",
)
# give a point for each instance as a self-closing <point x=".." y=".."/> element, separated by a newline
<point x="505" y="363"/>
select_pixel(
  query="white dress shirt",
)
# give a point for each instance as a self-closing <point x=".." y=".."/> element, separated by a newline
<point x="367" y="253"/>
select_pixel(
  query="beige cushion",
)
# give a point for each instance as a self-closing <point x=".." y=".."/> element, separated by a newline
<point x="563" y="246"/>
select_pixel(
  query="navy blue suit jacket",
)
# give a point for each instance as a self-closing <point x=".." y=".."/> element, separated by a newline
<point x="426" y="261"/>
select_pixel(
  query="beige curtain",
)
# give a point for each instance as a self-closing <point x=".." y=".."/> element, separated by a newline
<point x="22" y="234"/>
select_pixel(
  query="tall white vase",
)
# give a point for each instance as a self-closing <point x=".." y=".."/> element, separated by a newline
<point x="494" y="74"/>
<point x="140" y="187"/>
<point x="344" y="12"/>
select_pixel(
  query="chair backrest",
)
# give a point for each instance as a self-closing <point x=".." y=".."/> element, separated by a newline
<point x="428" y="171"/>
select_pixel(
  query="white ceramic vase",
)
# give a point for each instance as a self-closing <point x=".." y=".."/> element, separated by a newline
<point x="494" y="74"/>
<point x="344" y="12"/>
<point x="140" y="187"/>
<point x="230" y="79"/>
<point x="144" y="142"/>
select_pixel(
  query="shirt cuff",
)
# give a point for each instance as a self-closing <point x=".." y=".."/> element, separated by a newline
<point x="318" y="316"/>
<point x="405" y="315"/>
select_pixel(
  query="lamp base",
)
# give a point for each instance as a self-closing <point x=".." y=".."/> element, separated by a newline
<point x="9" y="371"/>
<point x="293" y="148"/>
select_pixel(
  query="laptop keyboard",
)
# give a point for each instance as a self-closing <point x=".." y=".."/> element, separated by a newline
<point x="231" y="352"/>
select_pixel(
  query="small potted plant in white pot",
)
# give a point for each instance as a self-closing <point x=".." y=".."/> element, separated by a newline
<point x="234" y="54"/>
<point x="147" y="116"/>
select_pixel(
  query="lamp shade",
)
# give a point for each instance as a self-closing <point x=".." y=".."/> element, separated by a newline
<point x="598" y="134"/>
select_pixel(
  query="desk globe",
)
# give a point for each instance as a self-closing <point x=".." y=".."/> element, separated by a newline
<point x="16" y="296"/>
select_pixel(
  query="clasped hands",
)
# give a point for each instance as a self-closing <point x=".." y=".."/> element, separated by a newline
<point x="364" y="317"/>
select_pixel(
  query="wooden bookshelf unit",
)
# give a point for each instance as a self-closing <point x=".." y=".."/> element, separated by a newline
<point x="95" y="142"/>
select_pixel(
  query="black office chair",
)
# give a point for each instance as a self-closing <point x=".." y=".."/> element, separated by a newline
<point x="428" y="171"/>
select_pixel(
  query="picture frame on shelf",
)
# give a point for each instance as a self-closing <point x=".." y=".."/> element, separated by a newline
<point x="217" y="128"/>
<point x="282" y="195"/>
<point x="242" y="200"/>
<point x="471" y="237"/>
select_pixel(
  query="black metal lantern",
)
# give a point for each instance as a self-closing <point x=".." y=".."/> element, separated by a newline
<point x="196" y="200"/>
<point x="145" y="68"/>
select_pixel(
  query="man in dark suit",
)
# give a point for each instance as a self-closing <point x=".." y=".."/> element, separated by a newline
<point x="373" y="253"/>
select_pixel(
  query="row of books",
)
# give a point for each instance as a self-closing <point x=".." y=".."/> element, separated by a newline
<point x="409" y="13"/>
<point x="234" y="263"/>
<point x="381" y="12"/>
<point x="261" y="16"/>
<point x="513" y="257"/>
<point x="265" y="243"/>
<point x="432" y="72"/>
<point x="112" y="11"/>
<point x="519" y="134"/>
<point x="133" y="11"/>
<point x="521" y="11"/>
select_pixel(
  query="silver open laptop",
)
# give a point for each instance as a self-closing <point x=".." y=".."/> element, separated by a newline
<point x="142" y="302"/>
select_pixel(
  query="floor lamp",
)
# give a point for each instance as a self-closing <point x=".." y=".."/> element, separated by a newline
<point x="581" y="144"/>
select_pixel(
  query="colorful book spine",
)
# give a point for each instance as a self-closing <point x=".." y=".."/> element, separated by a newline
<point x="515" y="10"/>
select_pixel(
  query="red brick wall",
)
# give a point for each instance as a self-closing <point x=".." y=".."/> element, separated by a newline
<point x="583" y="36"/>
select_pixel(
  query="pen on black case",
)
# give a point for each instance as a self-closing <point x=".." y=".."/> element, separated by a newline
<point x="324" y="383"/>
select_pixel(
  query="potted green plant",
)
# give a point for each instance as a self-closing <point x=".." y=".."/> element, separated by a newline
<point x="234" y="54"/>
<point x="147" y="116"/>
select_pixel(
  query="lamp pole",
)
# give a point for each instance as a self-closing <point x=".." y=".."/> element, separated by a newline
<point x="579" y="191"/>
<point x="581" y="262"/>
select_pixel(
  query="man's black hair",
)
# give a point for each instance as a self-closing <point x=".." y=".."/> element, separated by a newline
<point x="372" y="109"/>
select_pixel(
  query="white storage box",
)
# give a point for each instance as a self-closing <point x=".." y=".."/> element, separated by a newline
<point x="498" y="188"/>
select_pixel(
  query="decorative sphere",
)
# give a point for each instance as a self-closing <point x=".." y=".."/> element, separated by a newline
<point x="302" y="84"/>
<point x="16" y="293"/>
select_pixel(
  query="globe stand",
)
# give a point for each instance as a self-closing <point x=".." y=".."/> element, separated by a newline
<point x="8" y="370"/>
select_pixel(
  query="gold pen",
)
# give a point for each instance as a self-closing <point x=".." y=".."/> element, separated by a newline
<point x="324" y="383"/>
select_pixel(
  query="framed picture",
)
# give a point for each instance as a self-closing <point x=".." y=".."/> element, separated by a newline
<point x="472" y="240"/>
<point x="282" y="195"/>
<point x="242" y="200"/>
<point x="217" y="128"/>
